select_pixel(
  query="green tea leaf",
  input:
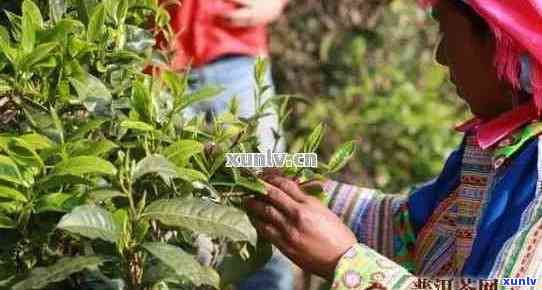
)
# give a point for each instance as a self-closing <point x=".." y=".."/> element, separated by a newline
<point x="6" y="86"/>
<point x="104" y="194"/>
<point x="181" y="151"/>
<point x="62" y="270"/>
<point x="60" y="31"/>
<point x="41" y="53"/>
<point x="12" y="194"/>
<point x="96" y="26"/>
<point x="9" y="207"/>
<point x="92" y="93"/>
<point x="157" y="164"/>
<point x="6" y="222"/>
<point x="43" y="123"/>
<point x="32" y="21"/>
<point x="176" y="82"/>
<point x="16" y="23"/>
<point x="341" y="157"/>
<point x="190" y="175"/>
<point x="205" y="93"/>
<point x="37" y="141"/>
<point x="122" y="11"/>
<point x="137" y="125"/>
<point x="141" y="229"/>
<point x="184" y="264"/>
<point x="23" y="154"/>
<point x="85" y="8"/>
<point x="203" y="216"/>
<point x="260" y="70"/>
<point x="162" y="17"/>
<point x="11" y="53"/>
<point x="313" y="141"/>
<point x="155" y="270"/>
<point x="6" y="281"/>
<point x="142" y="101"/>
<point x="254" y="185"/>
<point x="31" y="9"/>
<point x="53" y="182"/>
<point x="9" y="171"/>
<point x="87" y="127"/>
<point x="92" y="148"/>
<point x="92" y="222"/>
<point x="58" y="123"/>
<point x="78" y="47"/>
<point x="82" y="165"/>
<point x="121" y="217"/>
<point x="57" y="202"/>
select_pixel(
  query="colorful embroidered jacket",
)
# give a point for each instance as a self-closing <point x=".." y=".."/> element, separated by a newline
<point x="481" y="219"/>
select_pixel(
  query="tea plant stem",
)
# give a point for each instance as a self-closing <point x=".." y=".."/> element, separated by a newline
<point x="126" y="186"/>
<point x="132" y="202"/>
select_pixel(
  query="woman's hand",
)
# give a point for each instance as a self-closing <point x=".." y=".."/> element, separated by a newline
<point x="255" y="12"/>
<point x="300" y="226"/>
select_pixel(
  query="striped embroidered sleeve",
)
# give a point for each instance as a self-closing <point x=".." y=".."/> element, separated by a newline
<point x="520" y="259"/>
<point x="363" y="268"/>
<point x="521" y="256"/>
<point x="378" y="220"/>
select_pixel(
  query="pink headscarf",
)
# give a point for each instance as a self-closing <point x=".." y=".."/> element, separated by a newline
<point x="517" y="26"/>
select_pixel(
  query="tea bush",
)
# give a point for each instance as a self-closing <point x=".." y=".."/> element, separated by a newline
<point x="103" y="183"/>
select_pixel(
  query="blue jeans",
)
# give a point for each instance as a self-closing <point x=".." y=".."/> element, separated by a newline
<point x="277" y="274"/>
<point x="236" y="76"/>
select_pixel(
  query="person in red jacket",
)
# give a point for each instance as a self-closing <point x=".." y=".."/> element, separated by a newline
<point x="209" y="30"/>
<point x="219" y="41"/>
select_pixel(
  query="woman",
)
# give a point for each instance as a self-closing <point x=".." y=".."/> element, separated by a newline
<point x="482" y="217"/>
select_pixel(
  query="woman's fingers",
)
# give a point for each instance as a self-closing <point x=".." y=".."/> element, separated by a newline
<point x="271" y="171"/>
<point x="312" y="184"/>
<point x="271" y="233"/>
<point x="280" y="199"/>
<point x="287" y="186"/>
<point x="267" y="213"/>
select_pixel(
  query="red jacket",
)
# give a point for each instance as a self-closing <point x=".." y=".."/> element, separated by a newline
<point x="202" y="35"/>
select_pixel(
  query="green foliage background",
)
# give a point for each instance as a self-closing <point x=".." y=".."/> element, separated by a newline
<point x="367" y="71"/>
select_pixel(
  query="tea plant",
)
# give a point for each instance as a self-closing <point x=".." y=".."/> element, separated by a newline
<point x="103" y="183"/>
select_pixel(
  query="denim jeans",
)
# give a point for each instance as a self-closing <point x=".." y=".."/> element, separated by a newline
<point x="236" y="76"/>
<point x="277" y="274"/>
